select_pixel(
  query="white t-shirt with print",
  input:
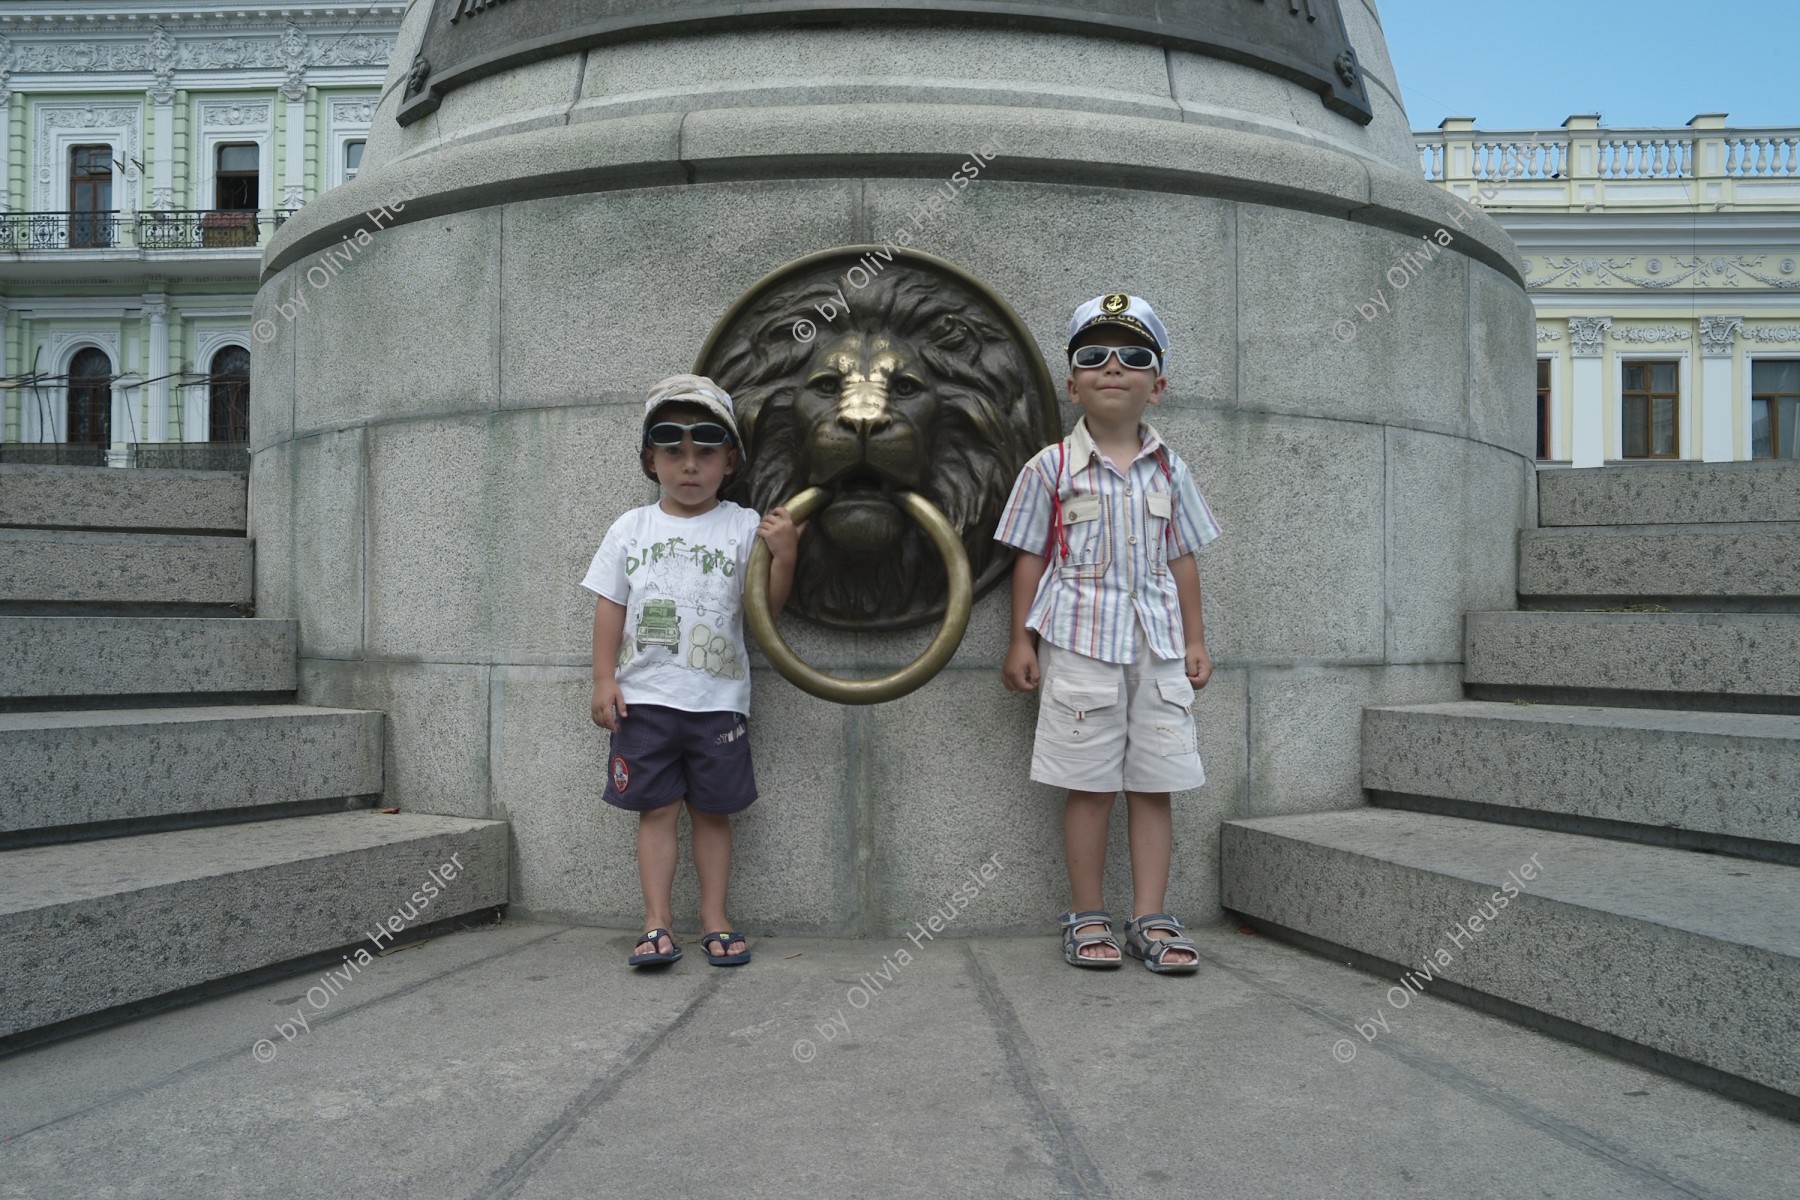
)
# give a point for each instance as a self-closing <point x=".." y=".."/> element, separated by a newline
<point x="681" y="580"/>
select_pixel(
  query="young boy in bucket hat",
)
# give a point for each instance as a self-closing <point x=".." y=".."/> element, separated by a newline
<point x="1106" y="616"/>
<point x="671" y="678"/>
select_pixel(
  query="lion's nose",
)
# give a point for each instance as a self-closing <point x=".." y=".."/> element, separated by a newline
<point x="864" y="409"/>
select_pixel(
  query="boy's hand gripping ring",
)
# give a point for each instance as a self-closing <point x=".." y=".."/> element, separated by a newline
<point x="888" y="687"/>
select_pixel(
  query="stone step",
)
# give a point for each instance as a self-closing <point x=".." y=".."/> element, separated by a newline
<point x="1670" y="494"/>
<point x="1746" y="565"/>
<point x="40" y="567"/>
<point x="93" y="767"/>
<point x="1684" y="961"/>
<point x="97" y="926"/>
<point x="44" y="657"/>
<point x="1727" y="775"/>
<point x="106" y="498"/>
<point x="1718" y="657"/>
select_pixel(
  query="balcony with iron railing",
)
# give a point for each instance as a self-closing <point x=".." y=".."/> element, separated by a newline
<point x="153" y="232"/>
<point x="167" y="456"/>
<point x="1582" y="166"/>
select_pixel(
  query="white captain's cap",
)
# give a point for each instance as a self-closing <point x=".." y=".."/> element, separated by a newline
<point x="1128" y="312"/>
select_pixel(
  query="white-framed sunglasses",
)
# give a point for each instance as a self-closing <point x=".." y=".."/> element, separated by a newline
<point x="704" y="433"/>
<point x="1136" y="358"/>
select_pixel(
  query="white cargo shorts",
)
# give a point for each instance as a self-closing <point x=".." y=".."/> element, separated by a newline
<point x="1103" y="727"/>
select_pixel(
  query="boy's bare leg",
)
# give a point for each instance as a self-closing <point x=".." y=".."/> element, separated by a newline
<point x="1085" y="819"/>
<point x="1150" y="823"/>
<point x="712" y="862"/>
<point x="656" y="850"/>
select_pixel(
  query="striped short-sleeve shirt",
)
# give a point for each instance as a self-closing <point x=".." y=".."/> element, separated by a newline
<point x="1122" y="528"/>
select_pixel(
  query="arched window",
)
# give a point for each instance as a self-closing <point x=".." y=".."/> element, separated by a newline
<point x="229" y="396"/>
<point x="90" y="398"/>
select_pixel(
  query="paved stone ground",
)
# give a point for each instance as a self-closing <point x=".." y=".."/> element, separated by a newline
<point x="524" y="1060"/>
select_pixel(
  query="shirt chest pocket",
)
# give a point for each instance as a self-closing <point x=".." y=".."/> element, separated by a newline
<point x="1159" y="510"/>
<point x="1087" y="525"/>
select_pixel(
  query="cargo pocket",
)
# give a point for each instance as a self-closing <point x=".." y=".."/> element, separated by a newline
<point x="1175" y="717"/>
<point x="1079" y="704"/>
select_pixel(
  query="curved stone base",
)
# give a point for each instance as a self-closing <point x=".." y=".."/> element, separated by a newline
<point x="447" y="425"/>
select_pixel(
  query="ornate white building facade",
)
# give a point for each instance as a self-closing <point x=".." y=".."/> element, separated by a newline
<point x="151" y="151"/>
<point x="1664" y="265"/>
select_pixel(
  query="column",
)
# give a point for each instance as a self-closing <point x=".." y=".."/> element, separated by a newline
<point x="18" y="187"/>
<point x="12" y="420"/>
<point x="1709" y="158"/>
<point x="156" y="307"/>
<point x="183" y="173"/>
<point x="1583" y="166"/>
<point x="125" y="423"/>
<point x="293" y="191"/>
<point x="1587" y="350"/>
<point x="1718" y="441"/>
<point x="162" y="161"/>
<point x="6" y="104"/>
<point x="1459" y="155"/>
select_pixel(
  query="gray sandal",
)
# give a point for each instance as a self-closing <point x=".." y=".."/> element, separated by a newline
<point x="1074" y="943"/>
<point x="1155" y="951"/>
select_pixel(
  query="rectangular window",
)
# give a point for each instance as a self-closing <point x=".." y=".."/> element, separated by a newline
<point x="235" y="189"/>
<point x="1651" y="405"/>
<point x="1543" y="408"/>
<point x="90" y="197"/>
<point x="352" y="159"/>
<point x="1775" y="408"/>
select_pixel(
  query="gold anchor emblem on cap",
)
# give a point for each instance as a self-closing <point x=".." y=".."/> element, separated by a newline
<point x="1115" y="304"/>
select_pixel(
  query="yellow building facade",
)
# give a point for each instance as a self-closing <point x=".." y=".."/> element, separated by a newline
<point x="1664" y="265"/>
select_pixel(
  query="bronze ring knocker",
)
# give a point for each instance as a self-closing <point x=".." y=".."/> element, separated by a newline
<point x="914" y="675"/>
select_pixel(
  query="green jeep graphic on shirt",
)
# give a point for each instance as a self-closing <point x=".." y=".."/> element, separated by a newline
<point x="659" y="624"/>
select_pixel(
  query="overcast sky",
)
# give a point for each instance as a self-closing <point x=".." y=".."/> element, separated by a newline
<point x="1529" y="64"/>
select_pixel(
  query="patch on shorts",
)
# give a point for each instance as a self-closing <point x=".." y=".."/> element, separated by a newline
<point x="725" y="739"/>
<point x="621" y="774"/>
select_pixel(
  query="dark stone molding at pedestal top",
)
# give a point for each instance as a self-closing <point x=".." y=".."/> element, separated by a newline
<point x="1301" y="40"/>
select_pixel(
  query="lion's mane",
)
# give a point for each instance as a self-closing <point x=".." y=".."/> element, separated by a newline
<point x="988" y="425"/>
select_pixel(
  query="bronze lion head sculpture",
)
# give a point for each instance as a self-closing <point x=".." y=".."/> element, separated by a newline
<point x="928" y="383"/>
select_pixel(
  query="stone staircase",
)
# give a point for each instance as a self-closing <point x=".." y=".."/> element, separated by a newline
<point x="171" y="822"/>
<point x="1624" y="774"/>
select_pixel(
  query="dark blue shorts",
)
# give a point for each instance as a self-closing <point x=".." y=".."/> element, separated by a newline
<point x="661" y="754"/>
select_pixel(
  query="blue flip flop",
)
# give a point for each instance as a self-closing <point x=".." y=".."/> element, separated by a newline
<point x="655" y="957"/>
<point x="724" y="938"/>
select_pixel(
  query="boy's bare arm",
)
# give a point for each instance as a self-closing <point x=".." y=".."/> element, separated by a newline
<point x="1020" y="674"/>
<point x="608" y="703"/>
<point x="1193" y="624"/>
<point x="783" y="538"/>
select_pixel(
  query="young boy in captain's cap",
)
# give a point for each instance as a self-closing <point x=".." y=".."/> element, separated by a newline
<point x="1106" y="615"/>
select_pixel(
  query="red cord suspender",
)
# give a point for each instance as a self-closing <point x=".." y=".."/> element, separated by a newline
<point x="1059" y="534"/>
